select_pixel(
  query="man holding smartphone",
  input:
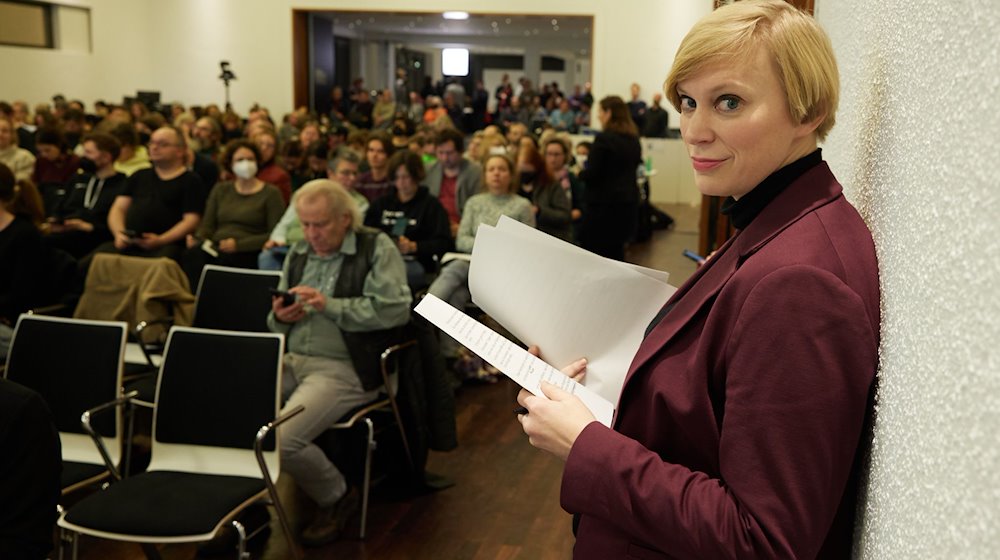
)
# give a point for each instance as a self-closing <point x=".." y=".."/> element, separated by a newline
<point x="159" y="206"/>
<point x="349" y="284"/>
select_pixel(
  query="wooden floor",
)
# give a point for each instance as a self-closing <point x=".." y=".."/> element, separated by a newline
<point x="505" y="501"/>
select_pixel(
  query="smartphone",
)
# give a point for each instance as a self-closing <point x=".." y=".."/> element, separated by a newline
<point x="694" y="256"/>
<point x="399" y="226"/>
<point x="287" y="298"/>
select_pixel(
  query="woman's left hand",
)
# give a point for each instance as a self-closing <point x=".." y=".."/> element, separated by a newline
<point x="553" y="424"/>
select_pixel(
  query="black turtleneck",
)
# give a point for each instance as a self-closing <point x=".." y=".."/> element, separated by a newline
<point x="744" y="210"/>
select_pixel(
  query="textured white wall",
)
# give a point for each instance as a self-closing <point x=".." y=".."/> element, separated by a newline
<point x="916" y="148"/>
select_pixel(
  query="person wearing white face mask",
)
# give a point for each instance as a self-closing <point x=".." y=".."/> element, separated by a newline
<point x="239" y="215"/>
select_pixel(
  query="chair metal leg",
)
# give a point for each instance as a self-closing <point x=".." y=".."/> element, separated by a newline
<point x="129" y="433"/>
<point x="368" y="475"/>
<point x="66" y="538"/>
<point x="293" y="546"/>
<point x="241" y="545"/>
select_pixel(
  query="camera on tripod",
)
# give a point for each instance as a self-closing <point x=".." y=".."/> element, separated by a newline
<point x="227" y="74"/>
<point x="226" y="77"/>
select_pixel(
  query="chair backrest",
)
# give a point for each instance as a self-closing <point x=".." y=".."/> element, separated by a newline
<point x="74" y="365"/>
<point x="216" y="389"/>
<point x="234" y="299"/>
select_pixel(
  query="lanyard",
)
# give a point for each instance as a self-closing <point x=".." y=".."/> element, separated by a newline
<point x="90" y="196"/>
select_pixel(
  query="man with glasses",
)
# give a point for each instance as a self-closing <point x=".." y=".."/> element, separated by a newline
<point x="160" y="205"/>
<point x="342" y="168"/>
<point x="452" y="178"/>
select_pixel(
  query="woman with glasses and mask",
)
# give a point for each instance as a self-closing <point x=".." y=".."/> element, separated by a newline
<point x="239" y="215"/>
<point x="740" y="426"/>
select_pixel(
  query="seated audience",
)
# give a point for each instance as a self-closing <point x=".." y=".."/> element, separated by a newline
<point x="238" y="217"/>
<point x="20" y="161"/>
<point x="376" y="181"/>
<point x="343" y="169"/>
<point x="414" y="219"/>
<point x="268" y="170"/>
<point x="206" y="138"/>
<point x="564" y="117"/>
<point x="80" y="222"/>
<point x="349" y="285"/>
<point x="134" y="155"/>
<point x="500" y="199"/>
<point x="556" y="150"/>
<point x="54" y="167"/>
<point x="74" y="128"/>
<point x="309" y="135"/>
<point x="160" y="206"/>
<point x="453" y="179"/>
<point x="293" y="161"/>
<point x="21" y="257"/>
<point x="315" y="164"/>
<point x="550" y="203"/>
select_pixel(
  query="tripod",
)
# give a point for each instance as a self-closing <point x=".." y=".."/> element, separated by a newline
<point x="226" y="77"/>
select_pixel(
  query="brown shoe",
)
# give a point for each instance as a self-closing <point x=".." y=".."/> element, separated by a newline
<point x="328" y="522"/>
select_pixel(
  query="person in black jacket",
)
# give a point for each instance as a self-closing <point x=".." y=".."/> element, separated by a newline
<point x="611" y="199"/>
<point x="414" y="219"/>
<point x="80" y="222"/>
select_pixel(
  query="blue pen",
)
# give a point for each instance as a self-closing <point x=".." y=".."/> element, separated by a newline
<point x="694" y="256"/>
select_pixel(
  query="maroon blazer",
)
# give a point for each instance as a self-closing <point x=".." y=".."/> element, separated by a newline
<point x="742" y="413"/>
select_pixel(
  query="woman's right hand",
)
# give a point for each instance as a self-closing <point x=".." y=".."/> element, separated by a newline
<point x="190" y="241"/>
<point x="575" y="371"/>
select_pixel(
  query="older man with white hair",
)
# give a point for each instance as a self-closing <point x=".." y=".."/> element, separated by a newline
<point x="347" y="286"/>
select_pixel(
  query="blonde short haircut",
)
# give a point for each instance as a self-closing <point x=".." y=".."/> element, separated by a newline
<point x="800" y="49"/>
<point x="337" y="199"/>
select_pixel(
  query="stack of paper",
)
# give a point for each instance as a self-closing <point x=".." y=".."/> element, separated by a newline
<point x="515" y="362"/>
<point x="571" y="303"/>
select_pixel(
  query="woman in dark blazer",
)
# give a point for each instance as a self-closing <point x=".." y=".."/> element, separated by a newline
<point x="739" y="427"/>
<point x="611" y="198"/>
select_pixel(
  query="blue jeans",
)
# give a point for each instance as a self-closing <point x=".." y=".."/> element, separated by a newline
<point x="273" y="258"/>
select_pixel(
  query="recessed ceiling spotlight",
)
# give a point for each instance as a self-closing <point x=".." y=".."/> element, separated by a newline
<point x="586" y="30"/>
<point x="507" y="21"/>
<point x="535" y="31"/>
<point x="456" y="15"/>
<point x="555" y="21"/>
<point x="357" y="22"/>
<point x="555" y="28"/>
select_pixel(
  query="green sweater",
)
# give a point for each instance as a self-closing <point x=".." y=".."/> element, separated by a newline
<point x="247" y="218"/>
<point x="486" y="208"/>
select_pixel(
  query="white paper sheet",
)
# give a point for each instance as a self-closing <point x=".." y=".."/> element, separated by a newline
<point x="571" y="303"/>
<point x="512" y="360"/>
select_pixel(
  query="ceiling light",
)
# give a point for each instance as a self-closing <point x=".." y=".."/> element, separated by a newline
<point x="456" y="15"/>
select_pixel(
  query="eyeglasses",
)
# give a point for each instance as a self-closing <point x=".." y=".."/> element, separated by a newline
<point x="163" y="144"/>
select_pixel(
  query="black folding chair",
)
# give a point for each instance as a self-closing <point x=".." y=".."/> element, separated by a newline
<point x="216" y="391"/>
<point x="75" y="365"/>
<point x="227" y="298"/>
